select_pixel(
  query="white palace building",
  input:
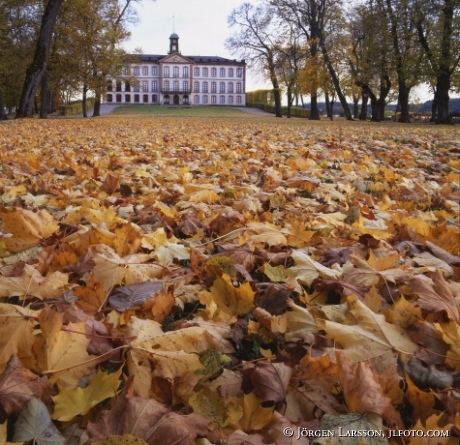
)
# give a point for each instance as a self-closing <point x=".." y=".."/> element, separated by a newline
<point x="174" y="79"/>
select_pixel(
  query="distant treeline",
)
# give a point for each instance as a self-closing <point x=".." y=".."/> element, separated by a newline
<point x="454" y="106"/>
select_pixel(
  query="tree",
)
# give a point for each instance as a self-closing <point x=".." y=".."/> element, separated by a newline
<point x="291" y="60"/>
<point x="36" y="69"/>
<point x="438" y="29"/>
<point x="311" y="18"/>
<point x="257" y="40"/>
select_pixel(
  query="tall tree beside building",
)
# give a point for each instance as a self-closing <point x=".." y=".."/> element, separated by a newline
<point x="38" y="65"/>
<point x="257" y="39"/>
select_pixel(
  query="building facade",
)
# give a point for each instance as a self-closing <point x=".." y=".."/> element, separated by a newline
<point x="174" y="79"/>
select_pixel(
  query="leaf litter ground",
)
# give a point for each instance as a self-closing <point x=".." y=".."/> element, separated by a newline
<point x="225" y="281"/>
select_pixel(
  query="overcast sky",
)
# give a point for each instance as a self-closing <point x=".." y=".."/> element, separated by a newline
<point x="201" y="25"/>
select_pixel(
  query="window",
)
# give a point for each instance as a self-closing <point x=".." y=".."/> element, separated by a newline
<point x="127" y="86"/>
<point x="222" y="99"/>
<point x="213" y="87"/>
<point x="205" y="72"/>
<point x="196" y="99"/>
<point x="213" y="99"/>
<point x="154" y="98"/>
<point x="136" y="71"/>
<point x="239" y="72"/>
<point x="197" y="71"/>
<point x="205" y="99"/>
<point x="145" y="85"/>
<point x="222" y="72"/>
<point x="166" y="85"/>
<point x="230" y="72"/>
<point x="166" y="100"/>
<point x="136" y="98"/>
<point x="126" y="71"/>
<point x="118" y="97"/>
<point x="166" y="71"/>
<point x="230" y="100"/>
<point x="145" y="98"/>
<point x="145" y="70"/>
<point x="176" y="85"/>
<point x="154" y="85"/>
<point x="205" y="87"/>
<point x="154" y="71"/>
<point x="196" y="87"/>
<point x="222" y="87"/>
<point x="185" y="71"/>
<point x="238" y="99"/>
<point x="109" y="85"/>
<point x="127" y="97"/>
<point x="230" y="88"/>
<point x="176" y="71"/>
<point x="213" y="72"/>
<point x="238" y="88"/>
<point x="109" y="98"/>
<point x="118" y="87"/>
<point x="137" y="88"/>
<point x="185" y="85"/>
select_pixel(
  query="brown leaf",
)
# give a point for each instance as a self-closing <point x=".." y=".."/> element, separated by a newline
<point x="363" y="392"/>
<point x="269" y="381"/>
<point x="111" y="183"/>
<point x="129" y="415"/>
<point x="435" y="298"/>
<point x="18" y="385"/>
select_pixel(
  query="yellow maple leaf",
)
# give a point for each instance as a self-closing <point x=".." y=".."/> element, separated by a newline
<point x="165" y="249"/>
<point x="72" y="402"/>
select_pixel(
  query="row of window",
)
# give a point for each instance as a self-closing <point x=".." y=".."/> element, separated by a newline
<point x="197" y="87"/>
<point x="203" y="72"/>
<point x="196" y="99"/>
<point x="230" y="100"/>
<point x="204" y="87"/>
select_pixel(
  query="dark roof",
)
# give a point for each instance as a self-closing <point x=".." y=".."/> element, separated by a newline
<point x="196" y="59"/>
<point x="173" y="36"/>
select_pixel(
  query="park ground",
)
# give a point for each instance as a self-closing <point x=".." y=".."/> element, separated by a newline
<point x="320" y="257"/>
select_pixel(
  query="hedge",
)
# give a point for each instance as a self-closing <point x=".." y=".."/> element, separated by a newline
<point x="76" y="107"/>
<point x="295" y="111"/>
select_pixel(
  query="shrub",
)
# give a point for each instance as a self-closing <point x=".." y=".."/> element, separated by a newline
<point x="295" y="111"/>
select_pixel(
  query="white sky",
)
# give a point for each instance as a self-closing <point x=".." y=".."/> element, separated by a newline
<point x="201" y="26"/>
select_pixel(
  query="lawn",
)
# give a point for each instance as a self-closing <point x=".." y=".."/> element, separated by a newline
<point x="161" y="265"/>
<point x="201" y="112"/>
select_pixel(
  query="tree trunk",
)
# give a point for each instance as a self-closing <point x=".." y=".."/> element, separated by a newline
<point x="403" y="102"/>
<point x="385" y="86"/>
<point x="97" y="106"/>
<point x="2" y="107"/>
<point x="83" y="101"/>
<point x="326" y="97"/>
<point x="434" y="106"/>
<point x="368" y="93"/>
<point x="289" y="102"/>
<point x="314" y="112"/>
<point x="443" y="87"/>
<point x="36" y="69"/>
<point x="44" y="104"/>
<point x="335" y="81"/>
<point x="331" y="109"/>
<point x="355" y="107"/>
<point x="365" y="99"/>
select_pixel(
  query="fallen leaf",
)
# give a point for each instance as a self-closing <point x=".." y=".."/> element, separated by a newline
<point x="34" y="423"/>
